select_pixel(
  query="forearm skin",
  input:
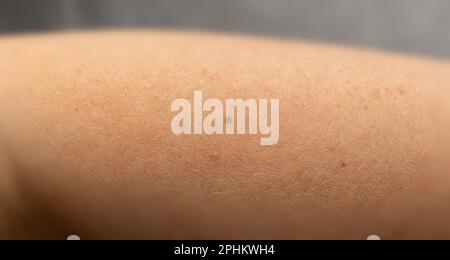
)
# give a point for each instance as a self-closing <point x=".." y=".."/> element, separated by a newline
<point x="87" y="118"/>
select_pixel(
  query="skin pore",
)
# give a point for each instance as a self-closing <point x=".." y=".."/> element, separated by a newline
<point x="86" y="145"/>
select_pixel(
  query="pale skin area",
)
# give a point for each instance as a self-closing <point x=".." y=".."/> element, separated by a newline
<point x="87" y="149"/>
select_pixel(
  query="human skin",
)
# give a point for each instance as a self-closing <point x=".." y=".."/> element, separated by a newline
<point x="86" y="146"/>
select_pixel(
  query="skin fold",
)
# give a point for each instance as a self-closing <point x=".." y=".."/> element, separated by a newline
<point x="86" y="146"/>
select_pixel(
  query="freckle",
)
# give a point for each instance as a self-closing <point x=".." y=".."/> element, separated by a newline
<point x="205" y="72"/>
<point x="214" y="157"/>
<point x="98" y="81"/>
<point x="376" y="94"/>
<point x="344" y="165"/>
<point x="76" y="109"/>
<point x="80" y="70"/>
<point x="366" y="107"/>
<point x="402" y="92"/>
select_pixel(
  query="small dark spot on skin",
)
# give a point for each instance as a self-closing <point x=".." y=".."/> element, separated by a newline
<point x="376" y="94"/>
<point x="366" y="107"/>
<point x="205" y="72"/>
<point x="214" y="157"/>
<point x="343" y="165"/>
<point x="402" y="92"/>
<point x="81" y="69"/>
<point x="76" y="109"/>
<point x="98" y="81"/>
<point x="331" y="149"/>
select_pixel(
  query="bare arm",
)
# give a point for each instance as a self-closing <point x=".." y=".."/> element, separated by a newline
<point x="86" y="129"/>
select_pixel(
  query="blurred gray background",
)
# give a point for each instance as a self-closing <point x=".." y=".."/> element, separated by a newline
<point x="418" y="26"/>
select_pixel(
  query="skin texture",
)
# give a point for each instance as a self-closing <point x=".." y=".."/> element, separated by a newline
<point x="87" y="149"/>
